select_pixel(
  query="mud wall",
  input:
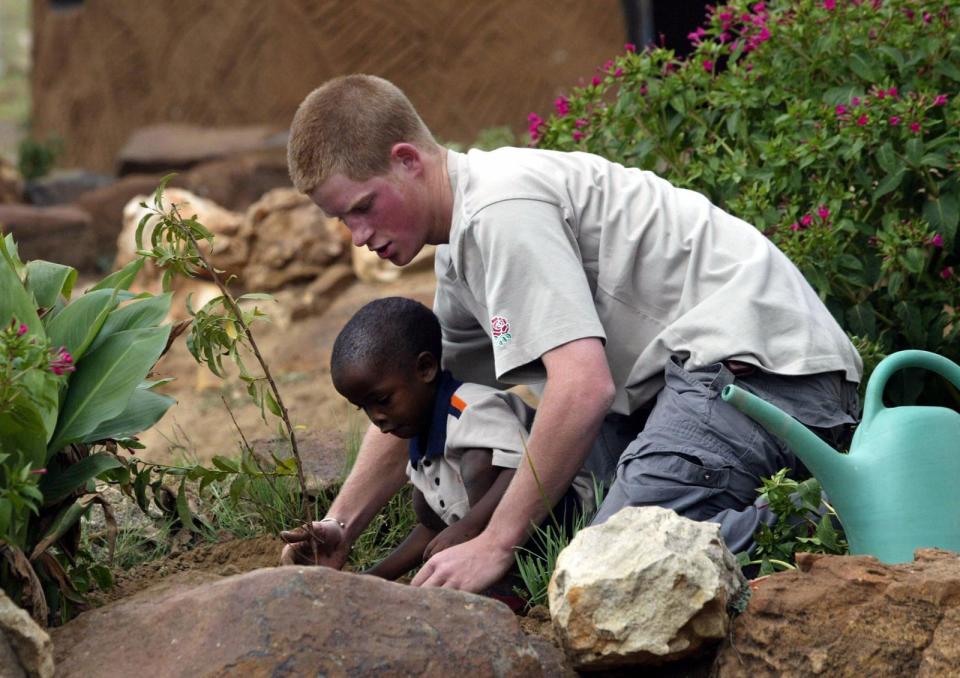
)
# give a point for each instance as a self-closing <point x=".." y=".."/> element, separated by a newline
<point x="103" y="68"/>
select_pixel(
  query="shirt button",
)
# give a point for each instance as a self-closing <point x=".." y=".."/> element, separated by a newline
<point x="706" y="476"/>
<point x="426" y="462"/>
<point x="442" y="504"/>
<point x="454" y="517"/>
<point x="436" y="480"/>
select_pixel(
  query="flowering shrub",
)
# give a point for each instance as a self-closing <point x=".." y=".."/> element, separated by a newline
<point x="831" y="125"/>
<point x="72" y="375"/>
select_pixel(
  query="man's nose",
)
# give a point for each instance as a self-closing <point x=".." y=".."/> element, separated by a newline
<point x="360" y="233"/>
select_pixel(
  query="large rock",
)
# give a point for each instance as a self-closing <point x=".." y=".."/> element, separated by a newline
<point x="851" y="616"/>
<point x="63" y="187"/>
<point x="297" y="621"/>
<point x="25" y="648"/>
<point x="168" y="147"/>
<point x="238" y="181"/>
<point x="646" y="587"/>
<point x="291" y="240"/>
<point x="59" y="234"/>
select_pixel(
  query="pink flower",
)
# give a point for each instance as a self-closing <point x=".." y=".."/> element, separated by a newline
<point x="595" y="81"/>
<point x="696" y="36"/>
<point x="22" y="330"/>
<point x="38" y="471"/>
<point x="806" y="220"/>
<point x="759" y="7"/>
<point x="892" y="92"/>
<point x="608" y="66"/>
<point x="894" y="120"/>
<point x="708" y="66"/>
<point x="927" y="17"/>
<point x="578" y="135"/>
<point x="562" y="104"/>
<point x="823" y="212"/>
<point x="941" y="100"/>
<point x="61" y="364"/>
<point x="863" y="120"/>
<point x="880" y="93"/>
<point x="617" y="73"/>
<point x="915" y="127"/>
<point x="947" y="273"/>
<point x="841" y="110"/>
<point x="794" y="226"/>
<point x="936" y="240"/>
<point x="830" y="5"/>
<point x="630" y="47"/>
<point x="581" y="122"/>
<point x="855" y="101"/>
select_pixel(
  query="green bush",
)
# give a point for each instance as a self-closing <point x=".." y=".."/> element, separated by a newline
<point x="831" y="125"/>
<point x="35" y="158"/>
<point x="72" y="375"/>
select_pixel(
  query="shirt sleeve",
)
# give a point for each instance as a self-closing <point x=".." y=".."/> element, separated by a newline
<point x="499" y="422"/>
<point x="522" y="262"/>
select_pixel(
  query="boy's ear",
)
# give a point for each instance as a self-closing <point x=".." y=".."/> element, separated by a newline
<point x="407" y="155"/>
<point x="427" y="367"/>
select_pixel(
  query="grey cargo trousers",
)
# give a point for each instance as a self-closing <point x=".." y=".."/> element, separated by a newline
<point x="703" y="458"/>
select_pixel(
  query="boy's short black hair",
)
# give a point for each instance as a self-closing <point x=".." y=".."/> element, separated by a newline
<point x="386" y="334"/>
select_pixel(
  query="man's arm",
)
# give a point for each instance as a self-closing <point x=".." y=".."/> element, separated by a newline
<point x="378" y="473"/>
<point x="578" y="394"/>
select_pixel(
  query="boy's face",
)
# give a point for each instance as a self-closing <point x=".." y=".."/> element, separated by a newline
<point x="386" y="213"/>
<point x="398" y="401"/>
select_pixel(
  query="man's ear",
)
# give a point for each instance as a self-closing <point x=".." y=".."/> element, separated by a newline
<point x="407" y="155"/>
<point x="427" y="367"/>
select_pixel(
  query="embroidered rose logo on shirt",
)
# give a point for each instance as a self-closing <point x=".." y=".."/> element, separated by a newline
<point x="501" y="330"/>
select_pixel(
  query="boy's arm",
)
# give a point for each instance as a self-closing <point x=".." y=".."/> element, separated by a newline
<point x="406" y="556"/>
<point x="378" y="473"/>
<point x="578" y="394"/>
<point x="475" y="520"/>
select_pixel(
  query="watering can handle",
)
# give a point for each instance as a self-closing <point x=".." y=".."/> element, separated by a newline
<point x="894" y="362"/>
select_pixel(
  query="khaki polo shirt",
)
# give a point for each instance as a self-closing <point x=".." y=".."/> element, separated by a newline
<point x="479" y="418"/>
<point x="548" y="247"/>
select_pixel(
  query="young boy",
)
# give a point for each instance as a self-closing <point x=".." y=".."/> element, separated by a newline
<point x="465" y="440"/>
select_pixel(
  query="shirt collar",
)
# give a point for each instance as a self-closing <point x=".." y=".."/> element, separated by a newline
<point x="431" y="443"/>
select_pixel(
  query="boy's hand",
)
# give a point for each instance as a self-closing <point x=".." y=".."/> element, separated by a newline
<point x="454" y="534"/>
<point x="319" y="543"/>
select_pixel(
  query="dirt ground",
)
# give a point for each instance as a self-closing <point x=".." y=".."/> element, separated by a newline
<point x="298" y="353"/>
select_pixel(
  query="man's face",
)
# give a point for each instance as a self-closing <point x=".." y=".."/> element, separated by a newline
<point x="398" y="401"/>
<point x="384" y="213"/>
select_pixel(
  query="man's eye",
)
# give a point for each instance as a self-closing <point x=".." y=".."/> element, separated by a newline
<point x="363" y="207"/>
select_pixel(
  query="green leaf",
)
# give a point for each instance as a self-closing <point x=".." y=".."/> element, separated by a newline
<point x="57" y="486"/>
<point x="183" y="508"/>
<point x="140" y="488"/>
<point x="77" y="325"/>
<point x="271" y="403"/>
<point x="65" y="519"/>
<point x="914" y="151"/>
<point x="935" y="160"/>
<point x="16" y="302"/>
<point x="121" y="279"/>
<point x="22" y="429"/>
<point x="148" y="312"/>
<point x="864" y="65"/>
<point x="887" y="159"/>
<point x="949" y="69"/>
<point x="144" y="409"/>
<point x="105" y="380"/>
<point x="889" y="183"/>
<point x="228" y="465"/>
<point x="47" y="281"/>
<point x="942" y="214"/>
<point x="862" y="320"/>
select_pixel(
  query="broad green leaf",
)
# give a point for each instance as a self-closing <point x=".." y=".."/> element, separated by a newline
<point x="47" y="281"/>
<point x="140" y="488"/>
<point x="147" y="312"/>
<point x="15" y="301"/>
<point x="949" y="69"/>
<point x="935" y="160"/>
<point x="865" y="66"/>
<point x="915" y="151"/>
<point x="57" y="486"/>
<point x="862" y="320"/>
<point x="144" y="409"/>
<point x="22" y="430"/>
<point x="105" y="380"/>
<point x="121" y="279"/>
<point x="942" y="214"/>
<point x="77" y="325"/>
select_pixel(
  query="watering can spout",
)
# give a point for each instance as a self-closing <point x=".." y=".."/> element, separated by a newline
<point x="822" y="460"/>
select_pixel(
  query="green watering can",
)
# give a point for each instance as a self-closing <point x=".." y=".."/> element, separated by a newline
<point x="899" y="487"/>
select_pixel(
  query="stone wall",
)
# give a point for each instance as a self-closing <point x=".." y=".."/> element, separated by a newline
<point x="103" y="68"/>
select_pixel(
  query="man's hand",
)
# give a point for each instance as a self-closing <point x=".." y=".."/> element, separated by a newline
<point x="471" y="566"/>
<point x="319" y="543"/>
